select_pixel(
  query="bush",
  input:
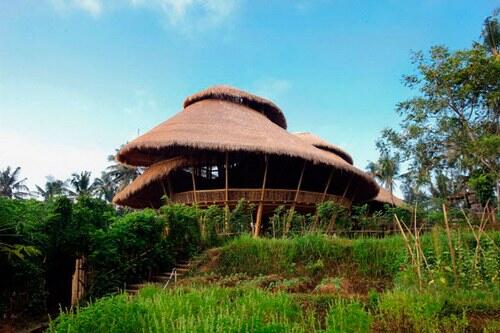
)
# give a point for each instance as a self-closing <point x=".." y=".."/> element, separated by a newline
<point x="183" y="229"/>
<point x="131" y="249"/>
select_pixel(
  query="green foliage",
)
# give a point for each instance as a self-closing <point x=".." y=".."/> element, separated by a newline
<point x="484" y="186"/>
<point x="128" y="251"/>
<point x="241" y="218"/>
<point x="476" y="267"/>
<point x="348" y="317"/>
<point x="278" y="222"/>
<point x="184" y="229"/>
<point x="379" y="257"/>
<point x="212" y="224"/>
<point x="120" y="247"/>
<point x="374" y="257"/>
<point x="333" y="216"/>
<point x="191" y="310"/>
<point x="259" y="271"/>
<point x="443" y="311"/>
<point x="451" y="126"/>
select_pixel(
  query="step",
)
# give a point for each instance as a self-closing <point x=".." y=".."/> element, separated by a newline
<point x="182" y="270"/>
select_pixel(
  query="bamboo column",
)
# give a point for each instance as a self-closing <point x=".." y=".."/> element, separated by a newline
<point x="292" y="209"/>
<point x="316" y="216"/>
<point x="347" y="188"/>
<point x="258" y="220"/>
<point x="164" y="191"/>
<point x="226" y="193"/>
<point x="194" y="185"/>
<point x="327" y="185"/>
<point x="170" y="188"/>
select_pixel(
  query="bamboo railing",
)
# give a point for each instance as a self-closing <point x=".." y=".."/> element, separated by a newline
<point x="270" y="196"/>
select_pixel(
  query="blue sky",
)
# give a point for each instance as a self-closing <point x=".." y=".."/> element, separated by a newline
<point x="78" y="78"/>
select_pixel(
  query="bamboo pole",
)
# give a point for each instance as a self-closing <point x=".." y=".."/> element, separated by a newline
<point x="316" y="216"/>
<point x="292" y="209"/>
<point x="258" y="220"/>
<point x="327" y="185"/>
<point x="347" y="187"/>
<point x="226" y="192"/>
<point x="450" y="243"/>
<point x="170" y="187"/>
<point x="226" y="197"/>
<point x="194" y="185"/>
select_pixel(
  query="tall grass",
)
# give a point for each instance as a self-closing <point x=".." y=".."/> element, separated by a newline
<point x="387" y="257"/>
<point x="250" y="307"/>
<point x="191" y="310"/>
<point x="374" y="257"/>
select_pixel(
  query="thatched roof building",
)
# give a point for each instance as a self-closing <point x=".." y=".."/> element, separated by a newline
<point x="383" y="198"/>
<point x="227" y="144"/>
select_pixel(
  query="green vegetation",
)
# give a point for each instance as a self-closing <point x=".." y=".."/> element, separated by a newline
<point x="301" y="285"/>
<point x="304" y="277"/>
<point x="41" y="240"/>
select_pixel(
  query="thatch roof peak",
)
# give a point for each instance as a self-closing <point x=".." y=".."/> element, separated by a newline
<point x="234" y="95"/>
<point x="318" y="142"/>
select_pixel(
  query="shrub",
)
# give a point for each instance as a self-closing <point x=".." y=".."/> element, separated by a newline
<point x="348" y="317"/>
<point x="184" y="229"/>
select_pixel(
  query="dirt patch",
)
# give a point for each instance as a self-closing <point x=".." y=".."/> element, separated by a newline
<point x="352" y="286"/>
<point x="211" y="260"/>
<point x="478" y="321"/>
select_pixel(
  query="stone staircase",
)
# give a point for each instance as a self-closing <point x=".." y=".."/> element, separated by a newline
<point x="167" y="279"/>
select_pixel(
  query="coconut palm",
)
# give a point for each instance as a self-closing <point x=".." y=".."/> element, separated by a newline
<point x="82" y="184"/>
<point x="106" y="187"/>
<point x="10" y="184"/>
<point x="53" y="187"/>
<point x="121" y="174"/>
<point x="491" y="32"/>
<point x="385" y="171"/>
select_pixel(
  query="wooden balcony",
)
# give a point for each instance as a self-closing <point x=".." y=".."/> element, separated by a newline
<point x="271" y="197"/>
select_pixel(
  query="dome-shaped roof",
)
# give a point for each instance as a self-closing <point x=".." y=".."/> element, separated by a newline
<point x="317" y="142"/>
<point x="234" y="95"/>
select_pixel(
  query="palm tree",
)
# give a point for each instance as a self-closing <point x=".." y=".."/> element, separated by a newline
<point x="385" y="171"/>
<point x="106" y="187"/>
<point x="491" y="32"/>
<point x="121" y="174"/>
<point x="53" y="187"/>
<point x="10" y="184"/>
<point x="81" y="184"/>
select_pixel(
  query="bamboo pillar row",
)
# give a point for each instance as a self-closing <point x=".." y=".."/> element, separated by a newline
<point x="328" y="182"/>
<point x="194" y="185"/>
<point x="258" y="220"/>
<point x="226" y="193"/>
<point x="292" y="209"/>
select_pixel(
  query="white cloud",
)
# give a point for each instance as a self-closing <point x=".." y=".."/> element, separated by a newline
<point x="92" y="7"/>
<point x="186" y="15"/>
<point x="39" y="158"/>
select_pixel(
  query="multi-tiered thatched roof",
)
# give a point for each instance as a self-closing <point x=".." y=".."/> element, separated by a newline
<point x="222" y="119"/>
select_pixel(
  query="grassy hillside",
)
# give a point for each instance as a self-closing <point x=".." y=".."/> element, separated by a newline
<point x="315" y="283"/>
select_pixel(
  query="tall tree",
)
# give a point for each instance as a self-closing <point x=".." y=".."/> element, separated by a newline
<point x="82" y="184"/>
<point x="106" y="187"/>
<point x="52" y="188"/>
<point x="121" y="174"/>
<point x="385" y="171"/>
<point x="491" y="32"/>
<point x="453" y="122"/>
<point x="11" y="185"/>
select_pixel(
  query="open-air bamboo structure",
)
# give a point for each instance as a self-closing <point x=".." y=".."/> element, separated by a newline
<point x="227" y="144"/>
